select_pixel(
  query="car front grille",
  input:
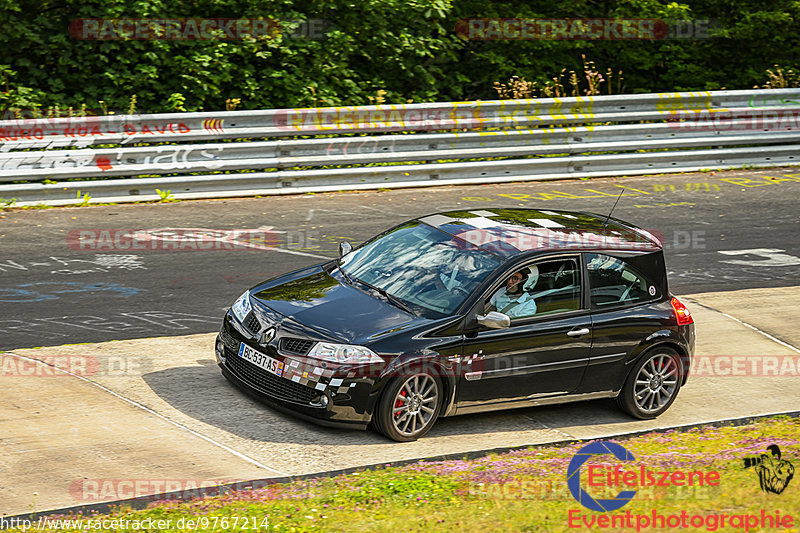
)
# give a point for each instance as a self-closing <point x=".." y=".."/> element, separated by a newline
<point x="261" y="379"/>
<point x="295" y="346"/>
<point x="253" y="324"/>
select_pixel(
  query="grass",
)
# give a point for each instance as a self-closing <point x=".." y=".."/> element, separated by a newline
<point x="521" y="490"/>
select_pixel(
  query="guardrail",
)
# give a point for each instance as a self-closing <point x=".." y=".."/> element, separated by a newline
<point x="393" y="146"/>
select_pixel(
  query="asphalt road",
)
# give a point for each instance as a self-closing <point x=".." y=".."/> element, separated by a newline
<point x="723" y="231"/>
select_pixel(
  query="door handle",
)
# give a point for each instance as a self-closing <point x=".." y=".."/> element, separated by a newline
<point x="578" y="332"/>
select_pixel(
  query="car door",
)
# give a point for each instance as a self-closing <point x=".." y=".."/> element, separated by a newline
<point x="542" y="354"/>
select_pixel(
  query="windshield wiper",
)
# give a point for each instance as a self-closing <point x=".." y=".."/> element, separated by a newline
<point x="389" y="297"/>
<point x="344" y="274"/>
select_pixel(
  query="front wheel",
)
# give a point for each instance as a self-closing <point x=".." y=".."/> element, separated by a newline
<point x="409" y="406"/>
<point x="653" y="384"/>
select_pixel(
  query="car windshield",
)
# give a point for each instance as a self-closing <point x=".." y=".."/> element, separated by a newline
<point x="421" y="266"/>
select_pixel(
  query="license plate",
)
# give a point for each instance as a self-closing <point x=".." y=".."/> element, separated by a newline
<point x="273" y="366"/>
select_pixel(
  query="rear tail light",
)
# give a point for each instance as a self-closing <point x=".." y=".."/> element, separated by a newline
<point x="682" y="314"/>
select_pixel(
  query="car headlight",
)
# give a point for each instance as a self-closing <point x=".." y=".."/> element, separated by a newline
<point x="241" y="307"/>
<point x="344" y="353"/>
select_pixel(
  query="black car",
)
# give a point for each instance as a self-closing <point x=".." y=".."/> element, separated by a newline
<point x="461" y="312"/>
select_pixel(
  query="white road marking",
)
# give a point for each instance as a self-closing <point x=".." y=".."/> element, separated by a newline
<point x="154" y="413"/>
<point x="548" y="427"/>
<point x="772" y="257"/>
<point x="228" y="236"/>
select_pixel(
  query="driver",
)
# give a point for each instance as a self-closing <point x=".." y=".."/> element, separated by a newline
<point x="511" y="299"/>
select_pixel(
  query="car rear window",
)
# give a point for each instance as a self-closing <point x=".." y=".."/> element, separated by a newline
<point x="614" y="281"/>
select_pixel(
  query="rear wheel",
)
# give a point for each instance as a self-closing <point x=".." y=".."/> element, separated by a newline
<point x="409" y="406"/>
<point x="653" y="384"/>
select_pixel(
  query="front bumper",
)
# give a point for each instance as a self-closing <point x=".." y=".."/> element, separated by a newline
<point x="320" y="391"/>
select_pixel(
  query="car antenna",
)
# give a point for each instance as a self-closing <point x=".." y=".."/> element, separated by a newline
<point x="612" y="208"/>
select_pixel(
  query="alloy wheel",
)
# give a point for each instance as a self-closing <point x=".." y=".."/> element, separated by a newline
<point x="415" y="404"/>
<point x="656" y="383"/>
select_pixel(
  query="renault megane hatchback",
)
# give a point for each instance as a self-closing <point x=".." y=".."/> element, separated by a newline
<point x="461" y="312"/>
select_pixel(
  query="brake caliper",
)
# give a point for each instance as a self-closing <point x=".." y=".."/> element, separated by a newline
<point x="399" y="403"/>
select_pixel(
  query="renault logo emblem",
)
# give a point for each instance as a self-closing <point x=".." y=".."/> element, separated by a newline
<point x="267" y="336"/>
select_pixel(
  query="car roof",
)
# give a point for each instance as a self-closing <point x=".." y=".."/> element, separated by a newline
<point x="509" y="232"/>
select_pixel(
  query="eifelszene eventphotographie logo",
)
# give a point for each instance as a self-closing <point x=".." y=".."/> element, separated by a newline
<point x="774" y="473"/>
<point x="602" y="469"/>
<point x="624" y="475"/>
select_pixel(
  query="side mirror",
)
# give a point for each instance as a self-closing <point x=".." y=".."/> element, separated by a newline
<point x="345" y="248"/>
<point x="494" y="320"/>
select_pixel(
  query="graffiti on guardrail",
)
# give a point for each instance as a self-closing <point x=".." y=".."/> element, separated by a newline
<point x="513" y="130"/>
<point x="84" y="131"/>
<point x="771" y="100"/>
<point x="213" y="125"/>
<point x="176" y="157"/>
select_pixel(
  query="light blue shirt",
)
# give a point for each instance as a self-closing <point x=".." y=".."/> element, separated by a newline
<point x="523" y="306"/>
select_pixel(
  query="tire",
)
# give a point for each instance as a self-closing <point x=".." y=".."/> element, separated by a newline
<point x="653" y="384"/>
<point x="404" y="420"/>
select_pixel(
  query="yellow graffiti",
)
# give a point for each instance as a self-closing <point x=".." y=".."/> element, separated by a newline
<point x="630" y="191"/>
<point x="555" y="195"/>
<point x="786" y="177"/>
<point x="671" y="204"/>
<point x="679" y="102"/>
<point x="555" y="108"/>
<point x="705" y="186"/>
<point x="601" y="193"/>
<point x="767" y="180"/>
<point x="748" y="182"/>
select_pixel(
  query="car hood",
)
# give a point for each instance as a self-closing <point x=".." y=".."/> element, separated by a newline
<point x="336" y="310"/>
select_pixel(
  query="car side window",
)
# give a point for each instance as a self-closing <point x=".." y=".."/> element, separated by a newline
<point x="614" y="282"/>
<point x="538" y="289"/>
